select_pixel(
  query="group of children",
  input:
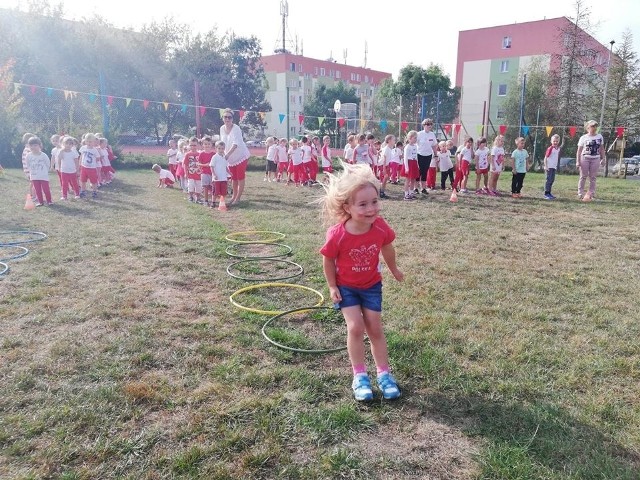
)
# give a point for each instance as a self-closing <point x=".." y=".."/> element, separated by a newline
<point x="394" y="159"/>
<point x="200" y="168"/>
<point x="76" y="164"/>
<point x="299" y="163"/>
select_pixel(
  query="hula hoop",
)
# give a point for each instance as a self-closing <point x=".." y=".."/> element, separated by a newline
<point x="298" y="350"/>
<point x="249" y="257"/>
<point x="25" y="250"/>
<point x="6" y="268"/>
<point x="247" y="279"/>
<point x="272" y="284"/>
<point x="41" y="236"/>
<point x="277" y="236"/>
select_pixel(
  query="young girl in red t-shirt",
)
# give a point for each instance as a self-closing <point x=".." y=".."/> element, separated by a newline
<point x="351" y="261"/>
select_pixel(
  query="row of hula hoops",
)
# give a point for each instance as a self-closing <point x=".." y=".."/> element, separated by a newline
<point x="15" y="246"/>
<point x="238" y="239"/>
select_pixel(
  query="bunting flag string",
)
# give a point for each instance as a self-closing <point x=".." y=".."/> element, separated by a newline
<point x="111" y="100"/>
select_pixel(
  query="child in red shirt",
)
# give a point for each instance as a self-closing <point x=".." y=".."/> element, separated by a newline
<point x="351" y="261"/>
<point x="204" y="159"/>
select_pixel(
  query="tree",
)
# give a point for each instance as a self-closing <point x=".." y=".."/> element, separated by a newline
<point x="623" y="94"/>
<point x="539" y="108"/>
<point x="321" y="105"/>
<point x="571" y="80"/>
<point x="10" y="102"/>
<point x="416" y="87"/>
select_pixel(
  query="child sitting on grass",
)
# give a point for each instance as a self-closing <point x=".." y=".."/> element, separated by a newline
<point x="351" y="258"/>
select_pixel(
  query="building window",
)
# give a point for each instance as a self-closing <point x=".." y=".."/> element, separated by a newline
<point x="502" y="89"/>
<point x="293" y="131"/>
<point x="358" y="92"/>
<point x="506" y="42"/>
<point x="366" y="79"/>
<point x="322" y="72"/>
<point x="293" y="83"/>
<point x="299" y="67"/>
<point x="315" y="71"/>
<point x="500" y="114"/>
<point x="338" y="74"/>
<point x="357" y="77"/>
<point x="307" y="76"/>
<point x="292" y="67"/>
<point x="353" y="77"/>
<point x="332" y="73"/>
<point x="300" y="99"/>
<point x="293" y="99"/>
<point x="504" y="66"/>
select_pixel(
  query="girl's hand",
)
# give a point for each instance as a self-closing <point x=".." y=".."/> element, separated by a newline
<point x="399" y="276"/>
<point x="334" y="293"/>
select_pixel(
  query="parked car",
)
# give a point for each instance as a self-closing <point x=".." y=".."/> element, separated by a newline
<point x="253" y="143"/>
<point x="630" y="164"/>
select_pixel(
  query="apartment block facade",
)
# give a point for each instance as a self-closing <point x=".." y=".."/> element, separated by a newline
<point x="490" y="58"/>
<point x="296" y="77"/>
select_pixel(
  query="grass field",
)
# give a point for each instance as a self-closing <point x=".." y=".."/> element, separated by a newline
<point x="514" y="338"/>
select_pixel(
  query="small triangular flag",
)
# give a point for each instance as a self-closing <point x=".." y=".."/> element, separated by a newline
<point x="281" y="116"/>
<point x="221" y="111"/>
<point x="49" y="91"/>
<point x="503" y="129"/>
<point x="16" y="87"/>
<point x="67" y="94"/>
<point x="127" y="101"/>
<point x="301" y="119"/>
<point x="447" y="128"/>
<point x="202" y="110"/>
<point x="166" y="106"/>
<point x="620" y="132"/>
<point x="363" y="123"/>
<point x="479" y="129"/>
<point x="525" y="129"/>
<point x="92" y="97"/>
<point x="110" y="100"/>
<point x="404" y="125"/>
<point x="33" y="89"/>
<point x="383" y="124"/>
<point x="262" y="115"/>
<point x="456" y="128"/>
<point x="183" y="108"/>
<point x="145" y="104"/>
<point x="572" y="131"/>
<point x="320" y="121"/>
<point x="549" y="129"/>
<point x="241" y="114"/>
<point x="341" y="121"/>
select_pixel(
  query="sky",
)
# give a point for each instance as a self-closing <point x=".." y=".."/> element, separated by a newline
<point x="326" y="29"/>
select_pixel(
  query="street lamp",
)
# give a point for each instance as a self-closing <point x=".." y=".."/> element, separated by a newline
<point x="604" y="100"/>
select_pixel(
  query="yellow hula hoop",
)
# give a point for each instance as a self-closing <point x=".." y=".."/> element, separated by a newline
<point x="272" y="284"/>
<point x="277" y="236"/>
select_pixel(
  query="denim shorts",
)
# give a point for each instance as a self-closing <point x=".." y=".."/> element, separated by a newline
<point x="369" y="298"/>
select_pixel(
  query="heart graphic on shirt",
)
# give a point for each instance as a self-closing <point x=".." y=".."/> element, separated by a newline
<point x="362" y="256"/>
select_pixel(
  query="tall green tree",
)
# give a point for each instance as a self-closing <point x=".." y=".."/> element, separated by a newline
<point x="403" y="99"/>
<point x="321" y="105"/>
<point x="10" y="103"/>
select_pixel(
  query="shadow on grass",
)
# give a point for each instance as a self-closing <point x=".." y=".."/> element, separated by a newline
<point x="526" y="438"/>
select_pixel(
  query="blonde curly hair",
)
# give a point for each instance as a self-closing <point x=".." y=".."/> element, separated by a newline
<point x="341" y="189"/>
